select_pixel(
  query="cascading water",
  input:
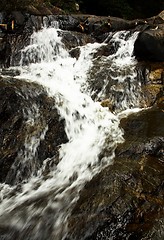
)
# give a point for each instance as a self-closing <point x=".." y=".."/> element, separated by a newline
<point x="115" y="77"/>
<point x="41" y="208"/>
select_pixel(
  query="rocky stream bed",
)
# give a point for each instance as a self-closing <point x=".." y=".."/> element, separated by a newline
<point x="126" y="200"/>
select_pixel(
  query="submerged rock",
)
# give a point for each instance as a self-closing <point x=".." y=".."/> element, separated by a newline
<point x="125" y="200"/>
<point x="27" y="117"/>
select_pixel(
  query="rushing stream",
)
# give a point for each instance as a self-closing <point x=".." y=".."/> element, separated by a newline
<point x="39" y="209"/>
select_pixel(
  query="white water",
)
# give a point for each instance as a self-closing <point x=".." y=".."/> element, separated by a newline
<point x="116" y="75"/>
<point x="91" y="129"/>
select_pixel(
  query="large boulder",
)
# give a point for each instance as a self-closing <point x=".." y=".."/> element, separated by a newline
<point x="150" y="44"/>
<point x="27" y="118"/>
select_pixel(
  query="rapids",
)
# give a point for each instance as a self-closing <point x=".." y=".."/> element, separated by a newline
<point x="40" y="207"/>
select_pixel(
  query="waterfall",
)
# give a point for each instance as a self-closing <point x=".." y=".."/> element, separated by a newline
<point x="115" y="77"/>
<point x="41" y="208"/>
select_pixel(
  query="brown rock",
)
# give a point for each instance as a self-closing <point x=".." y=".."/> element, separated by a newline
<point x="107" y="103"/>
<point x="16" y="100"/>
<point x="125" y="200"/>
<point x="150" y="45"/>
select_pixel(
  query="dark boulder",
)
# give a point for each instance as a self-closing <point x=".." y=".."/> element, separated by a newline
<point x="12" y="41"/>
<point x="19" y="17"/>
<point x="98" y="26"/>
<point x="5" y="51"/>
<point x="66" y="22"/>
<point x="73" y="39"/>
<point x="150" y="44"/>
<point x="27" y="116"/>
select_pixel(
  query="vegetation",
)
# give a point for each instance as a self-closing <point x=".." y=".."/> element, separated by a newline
<point x="121" y="8"/>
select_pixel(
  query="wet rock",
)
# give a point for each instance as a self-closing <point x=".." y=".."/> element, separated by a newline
<point x="16" y="43"/>
<point x="27" y="116"/>
<point x="149" y="135"/>
<point x="150" y="45"/>
<point x="67" y="22"/>
<point x="109" y="81"/>
<point x="125" y="200"/>
<point x="5" y="52"/>
<point x="14" y="40"/>
<point x="33" y="23"/>
<point x="104" y="83"/>
<point x="151" y="75"/>
<point x="99" y="26"/>
<point x="75" y="39"/>
<point x="75" y="52"/>
<point x="107" y="103"/>
<point x="94" y="25"/>
<point x="18" y="17"/>
<point x="105" y="50"/>
<point x="14" y="21"/>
